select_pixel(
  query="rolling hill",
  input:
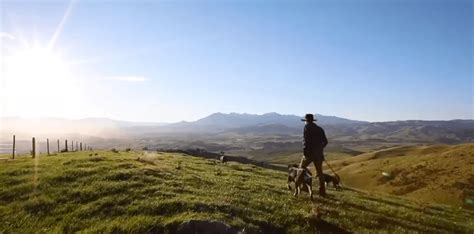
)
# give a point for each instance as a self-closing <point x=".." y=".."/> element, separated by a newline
<point x="432" y="173"/>
<point x="413" y="131"/>
<point x="168" y="192"/>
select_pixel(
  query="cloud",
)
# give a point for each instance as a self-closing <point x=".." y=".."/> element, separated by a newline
<point x="7" y="36"/>
<point x="129" y="78"/>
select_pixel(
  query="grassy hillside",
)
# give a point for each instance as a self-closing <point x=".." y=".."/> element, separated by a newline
<point x="439" y="173"/>
<point x="116" y="192"/>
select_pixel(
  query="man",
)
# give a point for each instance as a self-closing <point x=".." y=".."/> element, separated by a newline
<point x="314" y="142"/>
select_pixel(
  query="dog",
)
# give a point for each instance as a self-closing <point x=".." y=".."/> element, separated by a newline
<point x="302" y="178"/>
<point x="223" y="159"/>
<point x="335" y="180"/>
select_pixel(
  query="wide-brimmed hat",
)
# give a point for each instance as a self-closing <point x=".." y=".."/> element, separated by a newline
<point x="309" y="118"/>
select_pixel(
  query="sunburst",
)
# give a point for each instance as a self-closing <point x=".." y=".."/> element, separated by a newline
<point x="37" y="79"/>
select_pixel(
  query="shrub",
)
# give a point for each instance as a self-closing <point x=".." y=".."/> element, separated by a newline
<point x="127" y="150"/>
<point x="113" y="150"/>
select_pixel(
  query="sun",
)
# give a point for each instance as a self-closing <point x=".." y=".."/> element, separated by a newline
<point x="35" y="64"/>
<point x="38" y="82"/>
<point x="35" y="79"/>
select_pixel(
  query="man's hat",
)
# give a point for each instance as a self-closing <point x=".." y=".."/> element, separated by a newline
<point x="309" y="118"/>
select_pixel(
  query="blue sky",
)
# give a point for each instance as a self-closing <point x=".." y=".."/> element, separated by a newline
<point x="168" y="61"/>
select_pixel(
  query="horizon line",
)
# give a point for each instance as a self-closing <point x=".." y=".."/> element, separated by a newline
<point x="228" y="113"/>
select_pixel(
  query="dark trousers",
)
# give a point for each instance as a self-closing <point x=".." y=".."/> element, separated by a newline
<point x="318" y="165"/>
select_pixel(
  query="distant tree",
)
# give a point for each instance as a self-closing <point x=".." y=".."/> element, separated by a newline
<point x="145" y="148"/>
<point x="113" y="150"/>
<point x="128" y="150"/>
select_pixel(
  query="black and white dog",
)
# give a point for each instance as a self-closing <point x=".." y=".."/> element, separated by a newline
<point x="335" y="180"/>
<point x="302" y="178"/>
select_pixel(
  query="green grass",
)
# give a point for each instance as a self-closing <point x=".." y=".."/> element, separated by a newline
<point x="114" y="192"/>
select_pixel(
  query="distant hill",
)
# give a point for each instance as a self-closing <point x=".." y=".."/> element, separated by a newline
<point x="233" y="125"/>
<point x="274" y="128"/>
<point x="415" y="131"/>
<point x="412" y="131"/>
<point x="235" y="120"/>
<point x="251" y="123"/>
<point x="102" y="127"/>
<point x="451" y="132"/>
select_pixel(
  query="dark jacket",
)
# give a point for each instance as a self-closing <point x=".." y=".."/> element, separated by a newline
<point x="314" y="141"/>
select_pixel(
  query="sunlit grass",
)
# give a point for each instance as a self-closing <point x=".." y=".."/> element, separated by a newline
<point x="112" y="192"/>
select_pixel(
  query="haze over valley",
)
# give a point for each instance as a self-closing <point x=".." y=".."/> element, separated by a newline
<point x="246" y="134"/>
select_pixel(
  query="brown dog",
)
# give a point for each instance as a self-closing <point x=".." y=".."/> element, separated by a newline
<point x="302" y="178"/>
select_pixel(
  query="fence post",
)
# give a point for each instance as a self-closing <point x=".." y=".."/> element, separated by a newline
<point x="65" y="144"/>
<point x="58" y="147"/>
<point x="13" y="153"/>
<point x="80" y="145"/>
<point x="47" y="145"/>
<point x="33" y="148"/>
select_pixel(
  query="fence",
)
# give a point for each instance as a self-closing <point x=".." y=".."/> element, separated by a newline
<point x="35" y="147"/>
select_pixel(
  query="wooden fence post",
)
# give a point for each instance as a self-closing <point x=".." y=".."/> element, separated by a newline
<point x="80" y="145"/>
<point x="33" y="148"/>
<point x="13" y="153"/>
<point x="65" y="144"/>
<point x="58" y="147"/>
<point x="47" y="145"/>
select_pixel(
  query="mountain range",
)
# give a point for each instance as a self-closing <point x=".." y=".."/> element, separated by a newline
<point x="220" y="124"/>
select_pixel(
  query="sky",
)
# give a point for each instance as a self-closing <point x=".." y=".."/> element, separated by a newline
<point x="167" y="61"/>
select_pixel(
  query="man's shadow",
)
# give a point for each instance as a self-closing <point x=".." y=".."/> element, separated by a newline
<point x="321" y="226"/>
